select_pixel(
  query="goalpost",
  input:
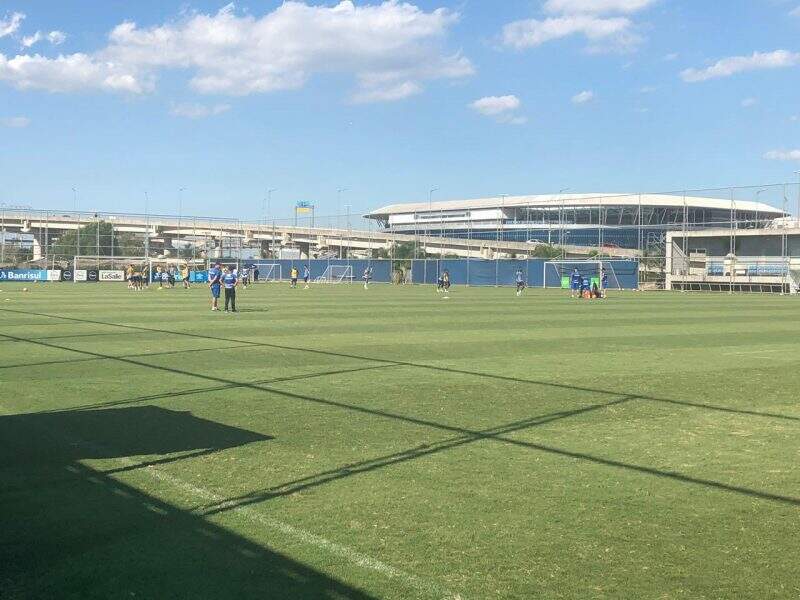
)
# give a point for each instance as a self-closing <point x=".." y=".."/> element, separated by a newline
<point x="266" y="273"/>
<point x="557" y="273"/>
<point x="336" y="274"/>
<point x="105" y="268"/>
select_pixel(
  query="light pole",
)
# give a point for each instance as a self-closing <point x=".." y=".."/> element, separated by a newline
<point x="180" y="214"/>
<point x="798" y="196"/>
<point x="77" y="216"/>
<point x="560" y="218"/>
<point x="268" y="203"/>
<point x="430" y="207"/>
<point x="339" y="204"/>
<point x="146" y="225"/>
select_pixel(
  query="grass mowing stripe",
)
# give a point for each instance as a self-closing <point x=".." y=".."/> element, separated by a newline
<point x="530" y="445"/>
<point x="561" y="386"/>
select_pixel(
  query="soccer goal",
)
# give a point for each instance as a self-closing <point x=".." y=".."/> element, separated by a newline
<point x="557" y="273"/>
<point x="267" y="273"/>
<point x="336" y="274"/>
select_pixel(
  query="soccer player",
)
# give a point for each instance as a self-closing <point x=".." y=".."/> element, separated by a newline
<point x="446" y="280"/>
<point x="129" y="277"/>
<point x="136" y="278"/>
<point x="245" y="276"/>
<point x="306" y="275"/>
<point x="440" y="282"/>
<point x="256" y="273"/>
<point x="293" y="276"/>
<point x="215" y="283"/>
<point x="520" y="282"/>
<point x="586" y="287"/>
<point x="185" y="273"/>
<point x="367" y="276"/>
<point x="575" y="283"/>
<point x="229" y="282"/>
<point x="603" y="281"/>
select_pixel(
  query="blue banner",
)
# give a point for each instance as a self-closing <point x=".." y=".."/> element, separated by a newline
<point x="23" y="275"/>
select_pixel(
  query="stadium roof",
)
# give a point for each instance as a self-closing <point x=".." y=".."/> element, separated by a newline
<point x="575" y="200"/>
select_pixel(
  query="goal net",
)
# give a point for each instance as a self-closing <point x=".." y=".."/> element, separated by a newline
<point x="336" y="274"/>
<point x="557" y="273"/>
<point x="266" y="273"/>
<point x="105" y="268"/>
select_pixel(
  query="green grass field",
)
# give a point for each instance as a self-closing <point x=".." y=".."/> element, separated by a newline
<point x="343" y="443"/>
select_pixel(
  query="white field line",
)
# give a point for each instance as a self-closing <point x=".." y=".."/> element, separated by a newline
<point x="308" y="538"/>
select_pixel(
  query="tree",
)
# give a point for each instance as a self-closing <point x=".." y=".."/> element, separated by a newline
<point x="401" y="251"/>
<point x="545" y="251"/>
<point x="97" y="239"/>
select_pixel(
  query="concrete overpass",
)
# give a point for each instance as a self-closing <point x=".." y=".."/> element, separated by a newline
<point x="215" y="235"/>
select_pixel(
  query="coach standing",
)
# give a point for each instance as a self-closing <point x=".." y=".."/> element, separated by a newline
<point x="215" y="283"/>
<point x="229" y="281"/>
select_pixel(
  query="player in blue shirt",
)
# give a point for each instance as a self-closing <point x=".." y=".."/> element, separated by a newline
<point x="229" y="282"/>
<point x="520" y="282"/>
<point x="575" y="283"/>
<point x="215" y="284"/>
<point x="306" y="275"/>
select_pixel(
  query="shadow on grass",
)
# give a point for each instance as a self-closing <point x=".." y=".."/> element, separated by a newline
<point x="140" y="355"/>
<point x="676" y="476"/>
<point x="614" y="393"/>
<point x="381" y="462"/>
<point x="69" y="531"/>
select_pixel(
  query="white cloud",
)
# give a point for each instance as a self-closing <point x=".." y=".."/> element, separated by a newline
<point x="10" y="23"/>
<point x="784" y="155"/>
<point x="72" y="73"/>
<point x="748" y="102"/>
<point x="795" y="12"/>
<point x="648" y="89"/>
<point x="495" y="105"/>
<point x="501" y="108"/>
<point x="596" y="6"/>
<point x="583" y="97"/>
<point x="16" y="122"/>
<point x="671" y="56"/>
<point x="198" y="111"/>
<point x="794" y="118"/>
<point x="54" y="37"/>
<point x="391" y="49"/>
<point x="737" y="64"/>
<point x="615" y="32"/>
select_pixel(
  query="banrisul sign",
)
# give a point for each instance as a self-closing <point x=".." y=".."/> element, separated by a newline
<point x="23" y="275"/>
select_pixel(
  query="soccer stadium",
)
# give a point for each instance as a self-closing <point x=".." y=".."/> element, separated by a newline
<point x="238" y="361"/>
<point x="623" y="220"/>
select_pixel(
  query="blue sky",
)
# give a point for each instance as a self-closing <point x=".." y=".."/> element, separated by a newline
<point x="388" y="100"/>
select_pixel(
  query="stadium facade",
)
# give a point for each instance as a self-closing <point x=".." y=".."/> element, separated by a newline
<point x="622" y="220"/>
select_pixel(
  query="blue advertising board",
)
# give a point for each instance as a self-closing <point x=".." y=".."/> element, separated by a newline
<point x="23" y="275"/>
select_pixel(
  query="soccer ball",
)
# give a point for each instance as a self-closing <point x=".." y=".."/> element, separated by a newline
<point x="24" y="289"/>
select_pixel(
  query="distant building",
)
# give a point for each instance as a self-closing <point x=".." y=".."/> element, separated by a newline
<point x="627" y="220"/>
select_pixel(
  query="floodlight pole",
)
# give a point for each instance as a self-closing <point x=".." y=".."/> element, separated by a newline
<point x="180" y="213"/>
<point x="798" y="196"/>
<point x="77" y="216"/>
<point x="268" y="204"/>
<point x="146" y="225"/>
<point x="430" y="208"/>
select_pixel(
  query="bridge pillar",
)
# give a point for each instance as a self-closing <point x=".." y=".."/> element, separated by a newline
<point x="37" y="247"/>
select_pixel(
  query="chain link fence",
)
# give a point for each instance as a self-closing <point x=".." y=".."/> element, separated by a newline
<point x="744" y="237"/>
